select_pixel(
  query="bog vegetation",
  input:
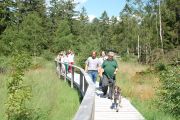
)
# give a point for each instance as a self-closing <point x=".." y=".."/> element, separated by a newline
<point x="48" y="97"/>
<point x="146" y="31"/>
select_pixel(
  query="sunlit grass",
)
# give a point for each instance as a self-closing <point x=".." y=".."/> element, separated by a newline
<point x="3" y="96"/>
<point x="140" y="89"/>
<point x="52" y="98"/>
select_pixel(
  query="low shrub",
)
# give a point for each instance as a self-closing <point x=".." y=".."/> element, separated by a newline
<point x="4" y="61"/>
<point x="160" y="66"/>
<point x="48" y="55"/>
<point x="170" y="90"/>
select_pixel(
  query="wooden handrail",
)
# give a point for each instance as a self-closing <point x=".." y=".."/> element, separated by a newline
<point x="86" y="88"/>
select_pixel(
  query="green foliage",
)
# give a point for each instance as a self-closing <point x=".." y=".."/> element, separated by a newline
<point x="170" y="90"/>
<point x="18" y="93"/>
<point x="129" y="58"/>
<point x="48" y="55"/>
<point x="8" y="40"/>
<point x="49" y="99"/>
<point x="32" y="37"/>
<point x="27" y="27"/>
<point x="84" y="51"/>
<point x="63" y="38"/>
<point x="160" y="66"/>
<point x="6" y="15"/>
<point x="29" y="36"/>
<point x="4" y="61"/>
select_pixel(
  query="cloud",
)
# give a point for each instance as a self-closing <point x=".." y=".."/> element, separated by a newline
<point x="80" y="1"/>
<point x="91" y="17"/>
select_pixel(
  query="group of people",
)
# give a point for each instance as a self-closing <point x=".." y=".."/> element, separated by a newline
<point x="67" y="58"/>
<point x="106" y="67"/>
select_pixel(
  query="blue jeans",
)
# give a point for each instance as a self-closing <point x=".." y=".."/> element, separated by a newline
<point x="93" y="74"/>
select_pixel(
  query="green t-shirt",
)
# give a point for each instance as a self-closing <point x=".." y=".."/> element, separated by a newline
<point x="109" y="67"/>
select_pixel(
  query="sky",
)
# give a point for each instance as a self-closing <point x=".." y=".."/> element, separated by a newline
<point x="95" y="8"/>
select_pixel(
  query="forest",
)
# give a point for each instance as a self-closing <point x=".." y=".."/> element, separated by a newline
<point x="145" y="30"/>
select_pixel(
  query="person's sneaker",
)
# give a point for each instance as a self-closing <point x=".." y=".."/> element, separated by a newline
<point x="100" y="87"/>
<point x="110" y="98"/>
<point x="104" y="95"/>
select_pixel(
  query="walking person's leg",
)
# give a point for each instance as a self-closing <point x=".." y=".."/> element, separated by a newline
<point x="100" y="82"/>
<point x="66" y="66"/>
<point x="90" y="74"/>
<point x="104" y="84"/>
<point x="111" y="87"/>
<point x="95" y="76"/>
<point x="111" y="90"/>
<point x="70" y="67"/>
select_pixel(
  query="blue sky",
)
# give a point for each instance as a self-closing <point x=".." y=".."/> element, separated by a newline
<point x="96" y="7"/>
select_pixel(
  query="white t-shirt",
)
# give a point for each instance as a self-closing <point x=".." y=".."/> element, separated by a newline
<point x="71" y="57"/>
<point x="101" y="60"/>
<point x="65" y="59"/>
<point x="92" y="64"/>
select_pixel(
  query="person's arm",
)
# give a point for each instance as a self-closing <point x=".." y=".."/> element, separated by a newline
<point x="116" y="68"/>
<point x="86" y="65"/>
<point x="101" y="72"/>
<point x="99" y="65"/>
<point x="115" y="71"/>
<point x="101" y="69"/>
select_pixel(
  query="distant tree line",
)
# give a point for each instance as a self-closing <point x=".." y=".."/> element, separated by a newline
<point x="144" y="28"/>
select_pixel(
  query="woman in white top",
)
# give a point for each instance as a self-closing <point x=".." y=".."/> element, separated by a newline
<point x="66" y="61"/>
<point x="71" y="60"/>
<point x="102" y="58"/>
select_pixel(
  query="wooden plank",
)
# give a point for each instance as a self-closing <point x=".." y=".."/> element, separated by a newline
<point x="104" y="110"/>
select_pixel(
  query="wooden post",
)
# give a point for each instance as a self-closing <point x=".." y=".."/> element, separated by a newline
<point x="72" y="78"/>
<point x="60" y="67"/>
<point x="65" y="75"/>
<point x="81" y="81"/>
<point x="85" y="86"/>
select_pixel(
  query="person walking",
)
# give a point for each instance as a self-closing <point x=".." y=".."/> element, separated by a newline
<point x="71" y="60"/>
<point x="109" y="70"/>
<point x="66" y="62"/>
<point x="92" y="66"/>
<point x="102" y="58"/>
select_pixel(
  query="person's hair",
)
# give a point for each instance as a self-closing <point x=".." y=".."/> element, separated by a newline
<point x="102" y="52"/>
<point x="94" y="52"/>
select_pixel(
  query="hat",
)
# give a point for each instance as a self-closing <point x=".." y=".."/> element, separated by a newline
<point x="111" y="54"/>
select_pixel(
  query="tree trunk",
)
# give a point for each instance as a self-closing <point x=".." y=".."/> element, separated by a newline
<point x="146" y="52"/>
<point x="138" y="49"/>
<point x="157" y="30"/>
<point x="160" y="26"/>
<point x="127" y="50"/>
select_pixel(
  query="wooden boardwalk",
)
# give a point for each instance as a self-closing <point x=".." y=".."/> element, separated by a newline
<point x="104" y="109"/>
<point x="103" y="106"/>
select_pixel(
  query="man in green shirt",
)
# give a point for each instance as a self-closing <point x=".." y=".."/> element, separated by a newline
<point x="109" y="69"/>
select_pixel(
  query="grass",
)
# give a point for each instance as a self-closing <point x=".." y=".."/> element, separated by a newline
<point x="140" y="88"/>
<point x="52" y="98"/>
<point x="3" y="96"/>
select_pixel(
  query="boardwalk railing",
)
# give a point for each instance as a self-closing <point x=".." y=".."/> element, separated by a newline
<point x="86" y="87"/>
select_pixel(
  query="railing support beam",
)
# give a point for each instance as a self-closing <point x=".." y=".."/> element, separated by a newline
<point x="72" y="78"/>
